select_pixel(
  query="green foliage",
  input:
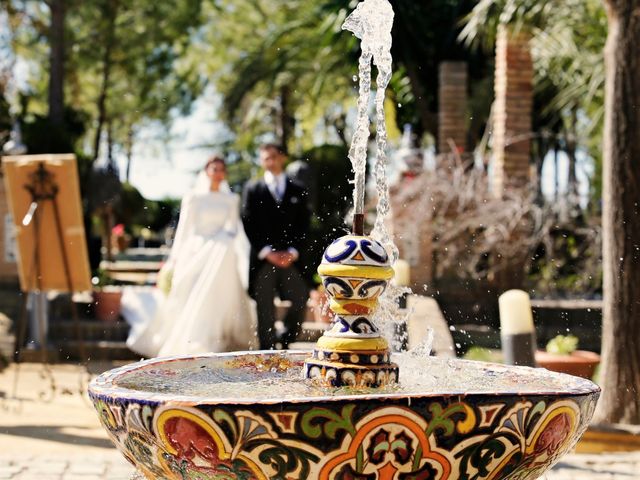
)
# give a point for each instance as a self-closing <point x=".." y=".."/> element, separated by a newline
<point x="330" y="197"/>
<point x="238" y="173"/>
<point x="299" y="47"/>
<point x="102" y="279"/>
<point x="425" y="34"/>
<point x="480" y="354"/>
<point x="568" y="38"/>
<point x="136" y="212"/>
<point x="40" y="136"/>
<point x="160" y="213"/>
<point x="568" y="262"/>
<point x="331" y="194"/>
<point x="130" y="206"/>
<point x="275" y="49"/>
<point x="562" y="345"/>
<point x="143" y="45"/>
<point x="5" y="119"/>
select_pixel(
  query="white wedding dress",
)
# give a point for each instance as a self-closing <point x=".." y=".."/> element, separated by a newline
<point x="207" y="308"/>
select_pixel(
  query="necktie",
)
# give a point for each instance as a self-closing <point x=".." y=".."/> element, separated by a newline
<point x="277" y="190"/>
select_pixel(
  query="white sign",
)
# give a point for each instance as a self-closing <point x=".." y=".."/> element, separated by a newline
<point x="9" y="239"/>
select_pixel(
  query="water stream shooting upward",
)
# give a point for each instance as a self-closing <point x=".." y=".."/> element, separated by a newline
<point x="372" y="22"/>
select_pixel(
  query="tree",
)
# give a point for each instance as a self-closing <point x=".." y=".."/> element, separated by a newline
<point x="424" y="35"/>
<point x="56" y="62"/>
<point x="43" y="20"/>
<point x="6" y="68"/>
<point x="579" y="77"/>
<point x="567" y="42"/>
<point x="109" y="14"/>
<point x="129" y="65"/>
<point x="287" y="68"/>
<point x="620" y="372"/>
<point x="112" y="63"/>
<point x="283" y="70"/>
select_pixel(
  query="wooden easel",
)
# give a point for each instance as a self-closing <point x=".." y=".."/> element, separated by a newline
<point x="43" y="214"/>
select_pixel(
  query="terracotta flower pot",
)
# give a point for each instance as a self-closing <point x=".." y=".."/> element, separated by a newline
<point x="122" y="242"/>
<point x="106" y="303"/>
<point x="580" y="363"/>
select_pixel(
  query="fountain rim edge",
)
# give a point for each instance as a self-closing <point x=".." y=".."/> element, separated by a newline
<point x="103" y="388"/>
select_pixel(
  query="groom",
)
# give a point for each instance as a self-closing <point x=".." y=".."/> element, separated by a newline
<point x="276" y="219"/>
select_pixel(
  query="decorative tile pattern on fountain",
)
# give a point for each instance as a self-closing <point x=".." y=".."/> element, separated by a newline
<point x="434" y="435"/>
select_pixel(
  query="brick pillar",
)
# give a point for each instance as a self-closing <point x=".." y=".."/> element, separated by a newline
<point x="512" y="111"/>
<point x="8" y="266"/>
<point x="452" y="106"/>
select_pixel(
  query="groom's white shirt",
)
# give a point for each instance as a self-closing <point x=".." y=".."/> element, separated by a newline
<point x="277" y="185"/>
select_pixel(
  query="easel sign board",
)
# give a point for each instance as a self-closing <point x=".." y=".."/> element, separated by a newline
<point x="20" y="173"/>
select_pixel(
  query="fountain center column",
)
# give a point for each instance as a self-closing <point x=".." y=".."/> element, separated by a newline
<point x="355" y="271"/>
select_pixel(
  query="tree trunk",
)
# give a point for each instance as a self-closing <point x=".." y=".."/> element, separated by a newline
<point x="542" y="148"/>
<point x="287" y="121"/>
<point x="56" y="62"/>
<point x="110" y="160"/>
<point x="129" y="151"/>
<point x="556" y="176"/>
<point x="110" y="13"/>
<point x="620" y="374"/>
<point x="572" y="182"/>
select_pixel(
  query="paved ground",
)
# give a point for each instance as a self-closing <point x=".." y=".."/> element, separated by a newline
<point x="49" y="431"/>
<point x="105" y="466"/>
<point x="618" y="466"/>
<point x="111" y="466"/>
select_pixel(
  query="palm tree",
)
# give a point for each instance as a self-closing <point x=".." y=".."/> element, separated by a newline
<point x="283" y="68"/>
<point x="567" y="42"/>
<point x="569" y="35"/>
<point x="294" y="54"/>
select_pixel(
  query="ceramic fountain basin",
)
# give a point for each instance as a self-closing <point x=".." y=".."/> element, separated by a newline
<point x="249" y="416"/>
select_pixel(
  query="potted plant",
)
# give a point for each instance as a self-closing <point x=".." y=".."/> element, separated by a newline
<point x="106" y="297"/>
<point x="562" y="355"/>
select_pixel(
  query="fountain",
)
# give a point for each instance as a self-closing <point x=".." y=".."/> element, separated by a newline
<point x="254" y="415"/>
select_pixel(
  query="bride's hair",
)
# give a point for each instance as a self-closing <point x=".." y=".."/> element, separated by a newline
<point x="215" y="159"/>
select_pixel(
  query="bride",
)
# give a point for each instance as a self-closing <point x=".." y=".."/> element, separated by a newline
<point x="203" y="306"/>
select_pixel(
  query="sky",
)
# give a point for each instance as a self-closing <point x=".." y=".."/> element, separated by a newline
<point x="162" y="168"/>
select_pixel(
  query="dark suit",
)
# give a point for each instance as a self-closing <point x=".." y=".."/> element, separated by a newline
<point x="283" y="226"/>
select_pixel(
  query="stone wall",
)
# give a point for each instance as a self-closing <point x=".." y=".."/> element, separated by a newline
<point x="512" y="111"/>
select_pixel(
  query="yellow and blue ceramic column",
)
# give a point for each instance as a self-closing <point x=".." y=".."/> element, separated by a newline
<point x="355" y="270"/>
